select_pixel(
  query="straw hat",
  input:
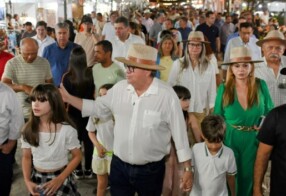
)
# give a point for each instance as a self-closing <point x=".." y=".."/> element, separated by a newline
<point x="272" y="35"/>
<point x="141" y="56"/>
<point x="196" y="36"/>
<point x="241" y="55"/>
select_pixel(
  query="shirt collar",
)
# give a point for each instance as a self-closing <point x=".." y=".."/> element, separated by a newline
<point x="152" y="90"/>
<point x="129" y="38"/>
<point x="68" y="44"/>
<point x="218" y="154"/>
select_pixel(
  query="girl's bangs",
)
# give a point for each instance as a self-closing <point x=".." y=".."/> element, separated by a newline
<point x="39" y="94"/>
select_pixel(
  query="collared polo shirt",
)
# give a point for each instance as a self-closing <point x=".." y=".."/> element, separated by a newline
<point x="211" y="171"/>
<point x="211" y="32"/>
<point x="58" y="59"/>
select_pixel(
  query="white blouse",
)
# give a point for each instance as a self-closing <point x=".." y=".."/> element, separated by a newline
<point x="49" y="156"/>
<point x="202" y="86"/>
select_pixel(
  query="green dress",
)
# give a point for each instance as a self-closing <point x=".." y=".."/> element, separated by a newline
<point x="243" y="143"/>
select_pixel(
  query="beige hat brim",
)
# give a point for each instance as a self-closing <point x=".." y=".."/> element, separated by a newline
<point x="139" y="65"/>
<point x="230" y="63"/>
<point x="260" y="42"/>
<point x="204" y="42"/>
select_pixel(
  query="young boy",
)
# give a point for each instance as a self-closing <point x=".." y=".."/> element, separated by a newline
<point x="213" y="163"/>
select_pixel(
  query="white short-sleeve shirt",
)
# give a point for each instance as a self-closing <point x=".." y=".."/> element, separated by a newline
<point x="210" y="171"/>
<point x="49" y="156"/>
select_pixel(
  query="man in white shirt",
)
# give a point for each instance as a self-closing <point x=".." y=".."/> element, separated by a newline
<point x="147" y="115"/>
<point x="11" y="122"/>
<point x="42" y="38"/>
<point x="123" y="39"/>
<point x="273" y="46"/>
<point x="108" y="31"/>
<point x="245" y="39"/>
<point x="147" y="21"/>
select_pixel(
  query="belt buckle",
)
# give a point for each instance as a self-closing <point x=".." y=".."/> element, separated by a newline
<point x="240" y="128"/>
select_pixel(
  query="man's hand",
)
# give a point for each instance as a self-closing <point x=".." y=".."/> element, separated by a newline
<point x="26" y="89"/>
<point x="64" y="93"/>
<point x="7" y="148"/>
<point x="187" y="181"/>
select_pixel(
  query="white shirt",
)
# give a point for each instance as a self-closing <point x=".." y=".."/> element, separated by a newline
<point x="55" y="156"/>
<point x="11" y="115"/>
<point x="104" y="131"/>
<point x="43" y="43"/>
<point x="202" y="86"/>
<point x="148" y="23"/>
<point x="266" y="73"/>
<point x="143" y="125"/>
<point x="210" y="171"/>
<point x="236" y="42"/>
<point x="120" y="48"/>
<point x="108" y="31"/>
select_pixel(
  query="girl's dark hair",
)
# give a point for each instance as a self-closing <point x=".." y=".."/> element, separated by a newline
<point x="79" y="74"/>
<point x="183" y="93"/>
<point x="58" y="114"/>
<point x="106" y="86"/>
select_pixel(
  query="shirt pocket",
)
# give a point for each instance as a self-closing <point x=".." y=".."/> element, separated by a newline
<point x="151" y="118"/>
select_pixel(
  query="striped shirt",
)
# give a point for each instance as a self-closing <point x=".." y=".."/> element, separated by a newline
<point x="266" y="73"/>
<point x="30" y="74"/>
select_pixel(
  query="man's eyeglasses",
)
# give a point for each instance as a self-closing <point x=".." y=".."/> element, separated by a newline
<point x="129" y="68"/>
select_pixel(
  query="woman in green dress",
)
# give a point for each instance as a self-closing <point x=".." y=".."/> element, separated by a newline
<point x="242" y="101"/>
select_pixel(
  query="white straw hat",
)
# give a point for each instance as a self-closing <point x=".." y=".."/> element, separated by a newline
<point x="141" y="56"/>
<point x="272" y="35"/>
<point x="241" y="55"/>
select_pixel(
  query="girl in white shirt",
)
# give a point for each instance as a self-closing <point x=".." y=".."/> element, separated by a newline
<point x="103" y="145"/>
<point x="47" y="140"/>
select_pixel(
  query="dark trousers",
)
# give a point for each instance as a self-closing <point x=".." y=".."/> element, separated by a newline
<point x="6" y="173"/>
<point x="126" y="179"/>
<point x="88" y="150"/>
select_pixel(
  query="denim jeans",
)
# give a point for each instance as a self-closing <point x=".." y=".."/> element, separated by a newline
<point x="126" y="179"/>
<point x="6" y="173"/>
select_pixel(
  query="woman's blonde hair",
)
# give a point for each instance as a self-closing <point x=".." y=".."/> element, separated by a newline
<point x="174" y="49"/>
<point x="252" y="84"/>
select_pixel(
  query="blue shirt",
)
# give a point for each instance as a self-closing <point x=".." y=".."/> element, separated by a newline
<point x="58" y="59"/>
<point x="235" y="34"/>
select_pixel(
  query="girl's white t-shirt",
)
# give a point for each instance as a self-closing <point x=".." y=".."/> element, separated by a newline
<point x="52" y="152"/>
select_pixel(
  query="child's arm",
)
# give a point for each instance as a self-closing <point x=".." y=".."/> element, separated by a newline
<point x="26" y="167"/>
<point x="100" y="149"/>
<point x="193" y="122"/>
<point x="231" y="183"/>
<point x="52" y="186"/>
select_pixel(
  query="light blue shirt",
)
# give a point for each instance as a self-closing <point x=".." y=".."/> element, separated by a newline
<point x="237" y="42"/>
<point x="11" y="115"/>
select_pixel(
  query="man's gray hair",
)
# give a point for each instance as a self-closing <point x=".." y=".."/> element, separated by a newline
<point x="62" y="25"/>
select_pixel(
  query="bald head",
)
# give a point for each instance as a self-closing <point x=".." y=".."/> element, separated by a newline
<point x="29" y="49"/>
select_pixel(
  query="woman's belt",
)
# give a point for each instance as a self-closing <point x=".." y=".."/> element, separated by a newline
<point x="243" y="128"/>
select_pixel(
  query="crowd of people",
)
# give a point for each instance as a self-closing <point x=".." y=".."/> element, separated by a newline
<point x="145" y="97"/>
